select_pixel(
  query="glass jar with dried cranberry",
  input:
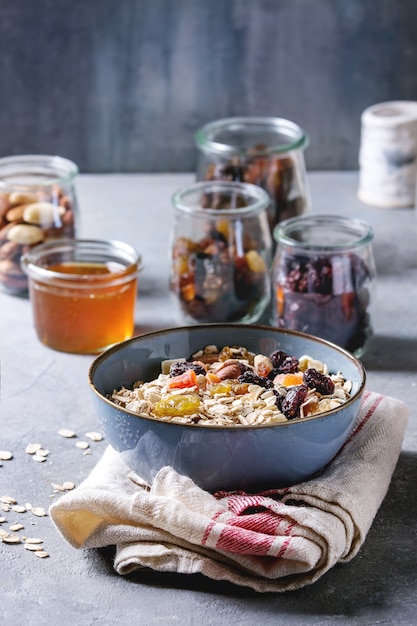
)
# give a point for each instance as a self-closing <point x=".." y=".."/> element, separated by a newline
<point x="221" y="252"/>
<point x="264" y="151"/>
<point x="323" y="276"/>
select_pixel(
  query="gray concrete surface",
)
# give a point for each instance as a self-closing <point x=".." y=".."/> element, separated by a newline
<point x="43" y="390"/>
<point x="123" y="86"/>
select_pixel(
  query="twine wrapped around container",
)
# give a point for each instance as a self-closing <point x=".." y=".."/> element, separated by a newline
<point x="388" y="155"/>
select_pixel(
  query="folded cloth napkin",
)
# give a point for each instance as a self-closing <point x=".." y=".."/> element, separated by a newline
<point x="277" y="540"/>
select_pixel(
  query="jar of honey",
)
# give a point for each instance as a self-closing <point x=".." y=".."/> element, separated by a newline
<point x="83" y="293"/>
<point x="37" y="204"/>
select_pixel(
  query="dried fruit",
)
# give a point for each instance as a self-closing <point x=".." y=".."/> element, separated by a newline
<point x="179" y="367"/>
<point x="177" y="405"/>
<point x="292" y="402"/>
<point x="321" y="383"/>
<point x="187" y="379"/>
<point x="250" y="377"/>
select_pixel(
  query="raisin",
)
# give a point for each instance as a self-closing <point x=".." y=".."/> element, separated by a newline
<point x="279" y="398"/>
<point x="177" y="405"/>
<point x="283" y="363"/>
<point x="295" y="397"/>
<point x="179" y="367"/>
<point x="318" y="381"/>
<point x="250" y="377"/>
<point x="278" y="357"/>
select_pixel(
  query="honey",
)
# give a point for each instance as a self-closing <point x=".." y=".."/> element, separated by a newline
<point x="83" y="306"/>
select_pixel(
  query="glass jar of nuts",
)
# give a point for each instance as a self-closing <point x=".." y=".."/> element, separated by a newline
<point x="221" y="252"/>
<point x="37" y="203"/>
<point x="264" y="151"/>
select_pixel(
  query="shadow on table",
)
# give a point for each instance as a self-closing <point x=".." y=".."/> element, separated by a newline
<point x="386" y="353"/>
<point x="379" y="579"/>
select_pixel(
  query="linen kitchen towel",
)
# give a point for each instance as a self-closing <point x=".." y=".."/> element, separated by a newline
<point x="277" y="540"/>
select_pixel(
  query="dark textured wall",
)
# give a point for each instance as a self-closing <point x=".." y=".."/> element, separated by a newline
<point x="122" y="85"/>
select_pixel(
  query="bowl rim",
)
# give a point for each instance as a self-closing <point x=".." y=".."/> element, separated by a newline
<point x="238" y="427"/>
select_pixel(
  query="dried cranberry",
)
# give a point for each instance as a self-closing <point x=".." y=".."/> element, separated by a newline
<point x="283" y="363"/>
<point x="278" y="357"/>
<point x="318" y="381"/>
<point x="179" y="367"/>
<point x="252" y="378"/>
<point x="293" y="400"/>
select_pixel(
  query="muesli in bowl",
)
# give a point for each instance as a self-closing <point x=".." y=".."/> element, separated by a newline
<point x="234" y="386"/>
<point x="226" y="453"/>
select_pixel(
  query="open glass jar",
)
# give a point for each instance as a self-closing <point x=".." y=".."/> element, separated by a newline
<point x="221" y="252"/>
<point x="37" y="203"/>
<point x="83" y="293"/>
<point x="264" y="151"/>
<point x="323" y="276"/>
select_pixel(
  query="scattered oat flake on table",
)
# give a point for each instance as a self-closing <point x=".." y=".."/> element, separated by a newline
<point x="41" y="554"/>
<point x="8" y="500"/>
<point x="31" y="448"/>
<point x="5" y="507"/>
<point x="2" y="519"/>
<point x="94" y="436"/>
<point x="68" y="485"/>
<point x="38" y="511"/>
<point x="58" y="487"/>
<point x="64" y="432"/>
<point x="3" y="533"/>
<point x="16" y="527"/>
<point x="83" y="445"/>
<point x="42" y="452"/>
<point x="39" y="458"/>
<point x="33" y="547"/>
<point x="5" y="455"/>
<point x="19" y="508"/>
<point x="33" y="540"/>
<point x="11" y="539"/>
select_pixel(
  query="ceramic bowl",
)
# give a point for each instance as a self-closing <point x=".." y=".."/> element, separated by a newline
<point x="219" y="457"/>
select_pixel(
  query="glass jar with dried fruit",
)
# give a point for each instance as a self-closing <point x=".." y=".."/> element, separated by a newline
<point x="264" y="151"/>
<point x="323" y="276"/>
<point x="37" y="204"/>
<point x="221" y="252"/>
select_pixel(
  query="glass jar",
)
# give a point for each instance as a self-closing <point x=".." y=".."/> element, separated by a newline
<point x="264" y="151"/>
<point x="323" y="276"/>
<point x="37" y="203"/>
<point x="221" y="252"/>
<point x="83" y="293"/>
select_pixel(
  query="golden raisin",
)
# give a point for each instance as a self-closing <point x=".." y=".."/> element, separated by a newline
<point x="177" y="405"/>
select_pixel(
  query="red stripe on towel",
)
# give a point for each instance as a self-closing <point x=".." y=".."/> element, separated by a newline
<point x="210" y="527"/>
<point x="242" y="541"/>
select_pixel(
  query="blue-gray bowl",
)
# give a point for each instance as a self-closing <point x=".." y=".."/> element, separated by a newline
<point x="219" y="457"/>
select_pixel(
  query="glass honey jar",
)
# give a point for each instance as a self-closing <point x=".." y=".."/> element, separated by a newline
<point x="83" y="293"/>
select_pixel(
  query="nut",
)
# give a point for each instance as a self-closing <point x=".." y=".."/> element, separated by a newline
<point x="15" y="214"/>
<point x="43" y="213"/>
<point x="25" y="234"/>
<point x="21" y="197"/>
